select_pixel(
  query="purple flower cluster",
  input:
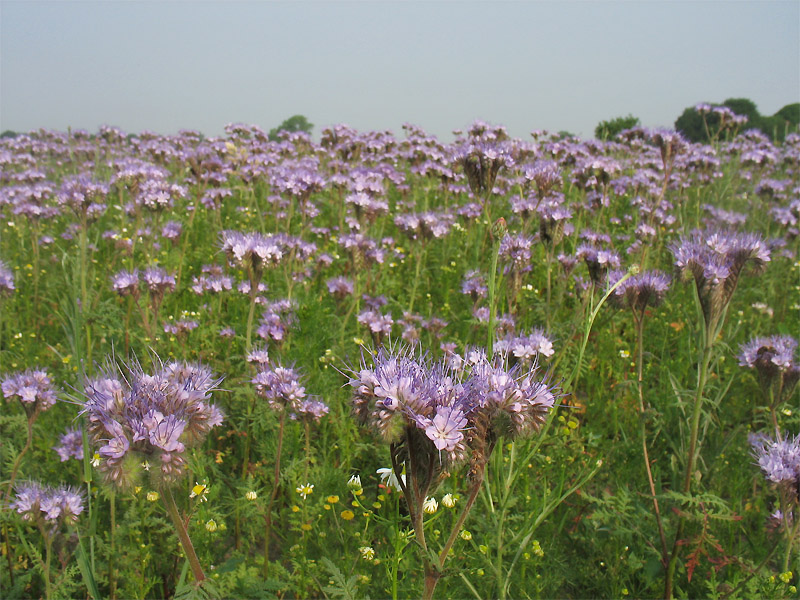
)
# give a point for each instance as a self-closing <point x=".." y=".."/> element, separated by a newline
<point x="140" y="421"/>
<point x="482" y="161"/>
<point x="525" y="348"/>
<point x="6" y="280"/>
<point x="84" y="196"/>
<point x="379" y="325"/>
<point x="474" y="285"/>
<point x="715" y="259"/>
<point x="252" y="251"/>
<point x="70" y="445"/>
<point x="276" y="320"/>
<point x="425" y="225"/>
<point x="283" y="390"/>
<point x="435" y="409"/>
<point x="213" y="281"/>
<point x="779" y="459"/>
<point x="598" y="261"/>
<point x="641" y="290"/>
<point x="32" y="387"/>
<point x="773" y="358"/>
<point x="340" y="287"/>
<point x="46" y="505"/>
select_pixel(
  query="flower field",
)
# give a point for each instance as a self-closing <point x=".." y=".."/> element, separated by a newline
<point x="386" y="366"/>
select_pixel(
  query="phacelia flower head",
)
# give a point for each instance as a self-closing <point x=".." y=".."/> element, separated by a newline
<point x="715" y="260"/>
<point x="6" y="280"/>
<point x="641" y="290"/>
<point x="773" y="359"/>
<point x="126" y="283"/>
<point x="32" y="387"/>
<point x="70" y="445"/>
<point x="408" y="399"/>
<point x="137" y="418"/>
<point x="46" y="505"/>
<point x="779" y="459"/>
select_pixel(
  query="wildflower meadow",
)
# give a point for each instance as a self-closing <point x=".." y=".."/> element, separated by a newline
<point x="386" y="366"/>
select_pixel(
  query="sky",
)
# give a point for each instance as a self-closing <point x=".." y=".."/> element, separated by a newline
<point x="557" y="66"/>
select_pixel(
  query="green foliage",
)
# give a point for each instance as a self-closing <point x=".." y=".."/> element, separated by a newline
<point x="291" y="125"/>
<point x="608" y="130"/>
<point x="704" y="128"/>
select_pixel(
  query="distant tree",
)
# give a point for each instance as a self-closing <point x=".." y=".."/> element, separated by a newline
<point x="790" y="113"/>
<point x="8" y="134"/>
<point x="690" y="125"/>
<point x="292" y="124"/>
<point x="696" y="126"/>
<point x="607" y="130"/>
<point x="743" y="106"/>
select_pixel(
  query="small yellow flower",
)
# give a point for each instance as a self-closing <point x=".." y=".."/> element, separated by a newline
<point x="211" y="525"/>
<point x="152" y="496"/>
<point x="537" y="549"/>
<point x="466" y="535"/>
<point x="95" y="462"/>
<point x="251" y="495"/>
<point x="295" y="508"/>
<point x="347" y="515"/>
<point x="137" y="489"/>
<point x="367" y="552"/>
<point x="305" y="527"/>
<point x="332" y="499"/>
<point x="786" y="577"/>
<point x="625" y="591"/>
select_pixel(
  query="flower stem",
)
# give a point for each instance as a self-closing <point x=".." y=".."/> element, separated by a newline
<point x="25" y="449"/>
<point x="274" y="494"/>
<point x="183" y="535"/>
<point x="643" y="431"/>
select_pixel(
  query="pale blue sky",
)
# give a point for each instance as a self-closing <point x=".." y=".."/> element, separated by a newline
<point x="165" y="66"/>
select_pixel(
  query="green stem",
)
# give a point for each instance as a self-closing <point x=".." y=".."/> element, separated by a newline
<point x="183" y="535"/>
<point x="112" y="575"/>
<point x="643" y="430"/>
<point x="25" y="448"/>
<point x="274" y="494"/>
<point x="702" y="376"/>
<point x="48" y="553"/>
<point x="492" y="302"/>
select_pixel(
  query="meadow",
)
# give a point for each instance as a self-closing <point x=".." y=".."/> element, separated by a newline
<point x="385" y="366"/>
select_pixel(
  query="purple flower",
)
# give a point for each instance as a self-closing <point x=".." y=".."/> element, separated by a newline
<point x="641" y="290"/>
<point x="150" y="417"/>
<point x="70" y="445"/>
<point x="779" y="459"/>
<point x="54" y="506"/>
<point x="715" y="260"/>
<point x="32" y="387"/>
<point x="126" y="283"/>
<point x="445" y="430"/>
<point x="340" y="287"/>
<point x="400" y="394"/>
<point x="171" y="231"/>
<point x="281" y="387"/>
<point x="774" y="361"/>
<point x="6" y="280"/>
